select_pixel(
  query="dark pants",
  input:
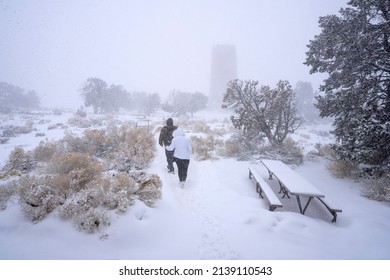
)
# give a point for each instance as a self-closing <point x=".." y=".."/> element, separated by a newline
<point x="182" y="166"/>
<point x="169" y="155"/>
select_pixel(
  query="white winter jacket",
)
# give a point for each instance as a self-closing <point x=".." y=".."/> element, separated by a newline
<point x="180" y="144"/>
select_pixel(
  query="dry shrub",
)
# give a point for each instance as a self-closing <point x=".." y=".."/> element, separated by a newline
<point x="13" y="131"/>
<point x="73" y="180"/>
<point x="88" y="208"/>
<point x="37" y="197"/>
<point x="378" y="189"/>
<point x="80" y="122"/>
<point x="98" y="143"/>
<point x="149" y="188"/>
<point x="44" y="151"/>
<point x="19" y="160"/>
<point x="118" y="191"/>
<point x="92" y="220"/>
<point x="205" y="147"/>
<point x="122" y="191"/>
<point x="73" y="144"/>
<point x="201" y="126"/>
<point x="80" y="168"/>
<point x="135" y="149"/>
<point x="81" y="202"/>
<point x="323" y="150"/>
<point x="243" y="146"/>
<point x="292" y="151"/>
<point x="6" y="191"/>
<point x="343" y="169"/>
<point x="289" y="152"/>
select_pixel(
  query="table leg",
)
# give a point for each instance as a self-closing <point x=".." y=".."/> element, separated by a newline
<point x="302" y="211"/>
<point x="283" y="190"/>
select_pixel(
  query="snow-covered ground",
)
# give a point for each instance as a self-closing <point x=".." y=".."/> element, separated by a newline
<point x="217" y="216"/>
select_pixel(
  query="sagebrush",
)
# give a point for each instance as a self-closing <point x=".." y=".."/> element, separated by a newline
<point x="83" y="176"/>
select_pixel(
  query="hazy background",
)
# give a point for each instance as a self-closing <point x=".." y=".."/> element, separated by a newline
<point x="53" y="46"/>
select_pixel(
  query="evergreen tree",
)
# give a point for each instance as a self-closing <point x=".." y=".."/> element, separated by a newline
<point x="104" y="98"/>
<point x="304" y="100"/>
<point x="95" y="93"/>
<point x="354" y="49"/>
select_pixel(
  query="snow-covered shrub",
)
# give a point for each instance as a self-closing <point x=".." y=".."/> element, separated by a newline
<point x="205" y="147"/>
<point x="122" y="190"/>
<point x="289" y="152"/>
<point x="37" y="196"/>
<point x="98" y="142"/>
<point x="72" y="144"/>
<point x="81" y="113"/>
<point x="19" y="160"/>
<point x="136" y="147"/>
<point x="6" y="191"/>
<point x="343" y="169"/>
<point x="44" y="151"/>
<point x="13" y="131"/>
<point x="79" y="168"/>
<point x="323" y="150"/>
<point x="92" y="220"/>
<point x="243" y="146"/>
<point x="118" y="191"/>
<point x="52" y="126"/>
<point x="78" y="121"/>
<point x="149" y="188"/>
<point x="83" y="209"/>
<point x="378" y="189"/>
<point x="292" y="151"/>
<point x="201" y="126"/>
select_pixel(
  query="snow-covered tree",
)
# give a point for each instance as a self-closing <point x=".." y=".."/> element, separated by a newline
<point x="304" y="100"/>
<point x="354" y="49"/>
<point x="180" y="103"/>
<point x="14" y="98"/>
<point x="145" y="103"/>
<point x="94" y="92"/>
<point x="265" y="111"/>
<point x="104" y="98"/>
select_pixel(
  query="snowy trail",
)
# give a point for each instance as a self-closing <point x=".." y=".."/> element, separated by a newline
<point x="197" y="199"/>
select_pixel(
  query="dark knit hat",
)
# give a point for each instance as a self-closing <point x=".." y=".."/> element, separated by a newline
<point x="170" y="122"/>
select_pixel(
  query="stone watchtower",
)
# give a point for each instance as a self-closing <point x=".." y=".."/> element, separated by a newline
<point x="223" y="70"/>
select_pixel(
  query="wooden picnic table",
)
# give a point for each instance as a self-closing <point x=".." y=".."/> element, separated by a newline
<point x="292" y="183"/>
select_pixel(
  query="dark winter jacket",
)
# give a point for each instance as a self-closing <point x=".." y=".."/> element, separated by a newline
<point x="166" y="137"/>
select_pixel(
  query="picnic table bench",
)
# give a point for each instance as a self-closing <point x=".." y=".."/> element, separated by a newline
<point x="291" y="183"/>
<point x="262" y="187"/>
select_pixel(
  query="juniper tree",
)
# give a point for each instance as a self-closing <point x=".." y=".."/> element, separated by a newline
<point x="104" y="98"/>
<point x="354" y="49"/>
<point x="261" y="110"/>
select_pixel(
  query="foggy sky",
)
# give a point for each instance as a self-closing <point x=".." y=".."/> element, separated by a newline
<point x="53" y="46"/>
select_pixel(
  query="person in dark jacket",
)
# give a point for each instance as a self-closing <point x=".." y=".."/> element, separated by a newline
<point x="165" y="140"/>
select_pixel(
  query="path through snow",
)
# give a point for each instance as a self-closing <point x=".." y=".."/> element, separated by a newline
<point x="198" y="199"/>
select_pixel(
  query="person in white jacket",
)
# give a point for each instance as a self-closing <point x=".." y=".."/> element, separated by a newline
<point x="182" y="148"/>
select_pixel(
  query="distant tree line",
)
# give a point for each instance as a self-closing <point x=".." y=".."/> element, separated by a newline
<point x="104" y="98"/>
<point x="14" y="98"/>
